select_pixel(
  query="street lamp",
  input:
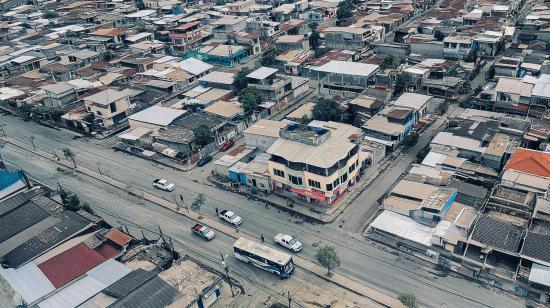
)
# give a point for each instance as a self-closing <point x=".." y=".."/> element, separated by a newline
<point x="226" y="268"/>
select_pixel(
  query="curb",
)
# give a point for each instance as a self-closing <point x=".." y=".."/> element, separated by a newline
<point x="271" y="203"/>
<point x="378" y="296"/>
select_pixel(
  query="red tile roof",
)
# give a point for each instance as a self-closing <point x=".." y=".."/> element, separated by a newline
<point x="118" y="237"/>
<point x="70" y="264"/>
<point x="530" y="161"/>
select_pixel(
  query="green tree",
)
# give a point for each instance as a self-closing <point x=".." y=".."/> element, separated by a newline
<point x="314" y="37"/>
<point x="25" y="110"/>
<point x="411" y="139"/>
<point x="408" y="299"/>
<point x="203" y="135"/>
<point x="249" y="99"/>
<point x="69" y="155"/>
<point x="478" y="89"/>
<point x="90" y="121"/>
<point x="327" y="256"/>
<point x="390" y="61"/>
<point x="345" y="9"/>
<point x="198" y="203"/>
<point x="220" y="2"/>
<point x="268" y="58"/>
<point x="50" y="14"/>
<point x="471" y="56"/>
<point x="403" y="81"/>
<point x="438" y="35"/>
<point x="453" y="72"/>
<point x="443" y="107"/>
<point x="71" y="201"/>
<point x="327" y="110"/>
<point x="54" y="113"/>
<point x="490" y="74"/>
<point x="240" y="79"/>
<point x="422" y="153"/>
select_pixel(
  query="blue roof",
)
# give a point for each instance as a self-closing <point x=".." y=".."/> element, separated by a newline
<point x="7" y="178"/>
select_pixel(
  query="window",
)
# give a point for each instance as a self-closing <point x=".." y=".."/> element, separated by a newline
<point x="295" y="180"/>
<point x="278" y="172"/>
<point x="313" y="183"/>
<point x="99" y="113"/>
<point x="113" y="107"/>
<point x="336" y="182"/>
<point x="329" y="187"/>
<point x="351" y="168"/>
<point x="344" y="177"/>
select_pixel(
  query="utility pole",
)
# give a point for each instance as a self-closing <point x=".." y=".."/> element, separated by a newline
<point x="2" y="131"/>
<point x="289" y="298"/>
<point x="2" y="165"/>
<point x="226" y="268"/>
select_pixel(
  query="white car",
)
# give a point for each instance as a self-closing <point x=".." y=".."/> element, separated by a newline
<point x="288" y="241"/>
<point x="163" y="184"/>
<point x="231" y="217"/>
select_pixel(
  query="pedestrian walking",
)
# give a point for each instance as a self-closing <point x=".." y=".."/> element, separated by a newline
<point x="237" y="228"/>
<point x="266" y="206"/>
<point x="262" y="237"/>
<point x="181" y="197"/>
<point x="216" y="211"/>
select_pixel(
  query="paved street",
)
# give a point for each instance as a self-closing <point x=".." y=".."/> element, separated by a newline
<point x="360" y="261"/>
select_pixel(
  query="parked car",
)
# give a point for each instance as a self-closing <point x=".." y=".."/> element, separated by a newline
<point x="288" y="242"/>
<point x="204" y="160"/>
<point x="203" y="231"/>
<point x="231" y="217"/>
<point x="163" y="184"/>
<point x="227" y="145"/>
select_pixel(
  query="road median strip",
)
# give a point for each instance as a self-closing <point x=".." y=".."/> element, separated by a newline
<point x="338" y="279"/>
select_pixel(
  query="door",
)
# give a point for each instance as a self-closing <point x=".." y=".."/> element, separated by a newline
<point x="254" y="183"/>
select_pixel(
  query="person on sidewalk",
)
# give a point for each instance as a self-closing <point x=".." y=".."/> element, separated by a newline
<point x="237" y="228"/>
<point x="216" y="211"/>
<point x="262" y="237"/>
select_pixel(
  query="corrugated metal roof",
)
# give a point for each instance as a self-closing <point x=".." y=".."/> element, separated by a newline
<point x="194" y="66"/>
<point x="70" y="264"/>
<point x="28" y="281"/>
<point x="109" y="272"/>
<point x="404" y="227"/>
<point x="263" y="72"/>
<point x="74" y="294"/>
<point x="154" y="293"/>
<point x="20" y="219"/>
<point x="69" y="225"/>
<point x="129" y="283"/>
<point x="540" y="274"/>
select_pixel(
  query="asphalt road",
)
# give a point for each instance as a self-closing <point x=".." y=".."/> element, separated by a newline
<point x="360" y="261"/>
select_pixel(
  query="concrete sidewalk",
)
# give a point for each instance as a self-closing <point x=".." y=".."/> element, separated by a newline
<point x="300" y="262"/>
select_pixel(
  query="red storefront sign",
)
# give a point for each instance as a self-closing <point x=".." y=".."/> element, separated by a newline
<point x="309" y="194"/>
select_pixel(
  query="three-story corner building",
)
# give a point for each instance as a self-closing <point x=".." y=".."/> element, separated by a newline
<point x="316" y="163"/>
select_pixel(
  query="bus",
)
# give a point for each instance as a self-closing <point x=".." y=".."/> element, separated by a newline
<point x="264" y="257"/>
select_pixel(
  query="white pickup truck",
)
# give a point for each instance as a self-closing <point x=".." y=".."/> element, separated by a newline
<point x="288" y="242"/>
<point x="231" y="217"/>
